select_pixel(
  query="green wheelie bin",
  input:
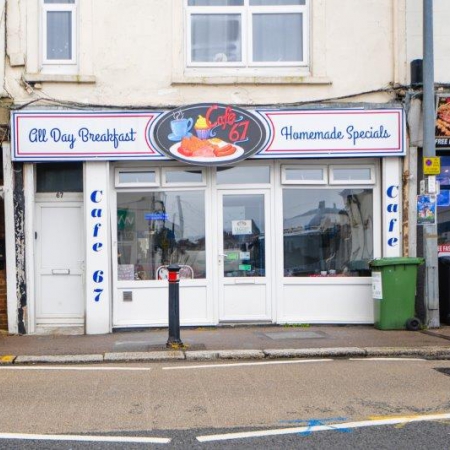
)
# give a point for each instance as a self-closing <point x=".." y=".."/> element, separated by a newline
<point x="394" y="293"/>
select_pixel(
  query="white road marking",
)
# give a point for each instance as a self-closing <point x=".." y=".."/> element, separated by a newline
<point x="95" y="368"/>
<point x="387" y="359"/>
<point x="82" y="438"/>
<point x="337" y="426"/>
<point x="263" y="363"/>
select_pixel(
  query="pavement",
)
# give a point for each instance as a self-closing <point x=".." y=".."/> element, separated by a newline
<point x="238" y="342"/>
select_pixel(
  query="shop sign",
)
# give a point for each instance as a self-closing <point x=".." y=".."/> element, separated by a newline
<point x="97" y="241"/>
<point x="444" y="248"/>
<point x="81" y="135"/>
<point x="392" y="216"/>
<point x="98" y="258"/>
<point x="209" y="134"/>
<point x="333" y="133"/>
<point x="443" y="122"/>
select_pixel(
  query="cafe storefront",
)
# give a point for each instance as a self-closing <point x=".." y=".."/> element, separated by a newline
<point x="273" y="215"/>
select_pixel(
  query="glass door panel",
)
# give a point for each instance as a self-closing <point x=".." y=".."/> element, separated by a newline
<point x="243" y="235"/>
<point x="243" y="255"/>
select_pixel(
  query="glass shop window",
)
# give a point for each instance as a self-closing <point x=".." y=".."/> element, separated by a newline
<point x="59" y="177"/>
<point x="158" y="228"/>
<point x="327" y="232"/>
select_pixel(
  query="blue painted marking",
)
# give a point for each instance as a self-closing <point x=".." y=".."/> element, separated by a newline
<point x="310" y="423"/>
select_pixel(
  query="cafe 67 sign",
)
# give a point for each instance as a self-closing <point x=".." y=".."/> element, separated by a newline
<point x="210" y="134"/>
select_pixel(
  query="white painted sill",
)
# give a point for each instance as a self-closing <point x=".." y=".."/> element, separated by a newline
<point x="254" y="80"/>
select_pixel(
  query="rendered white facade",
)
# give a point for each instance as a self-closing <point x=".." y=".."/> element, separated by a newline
<point x="132" y="55"/>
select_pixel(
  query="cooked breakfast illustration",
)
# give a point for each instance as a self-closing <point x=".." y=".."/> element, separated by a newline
<point x="194" y="147"/>
<point x="443" y="118"/>
<point x="207" y="134"/>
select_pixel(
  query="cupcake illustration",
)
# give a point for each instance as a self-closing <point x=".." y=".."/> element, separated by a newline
<point x="202" y="128"/>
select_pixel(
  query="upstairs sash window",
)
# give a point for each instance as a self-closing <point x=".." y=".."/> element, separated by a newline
<point x="247" y="33"/>
<point x="59" y="31"/>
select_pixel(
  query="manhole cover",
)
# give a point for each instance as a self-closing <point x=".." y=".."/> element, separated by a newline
<point x="296" y="335"/>
<point x="445" y="371"/>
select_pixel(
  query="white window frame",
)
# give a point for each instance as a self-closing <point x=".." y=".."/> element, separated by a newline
<point x="165" y="183"/>
<point x="247" y="12"/>
<point x="65" y="7"/>
<point x="155" y="183"/>
<point x="308" y="181"/>
<point x="370" y="181"/>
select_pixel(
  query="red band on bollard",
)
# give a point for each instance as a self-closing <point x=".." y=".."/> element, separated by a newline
<point x="174" y="276"/>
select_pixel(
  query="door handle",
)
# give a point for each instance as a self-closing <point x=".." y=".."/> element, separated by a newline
<point x="223" y="254"/>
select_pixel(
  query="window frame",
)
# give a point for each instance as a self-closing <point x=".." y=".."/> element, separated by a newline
<point x="376" y="222"/>
<point x="323" y="168"/>
<point x="247" y="12"/>
<point x="149" y="190"/>
<point x="165" y="170"/>
<point x="59" y="7"/>
<point x="333" y="181"/>
<point x="119" y="170"/>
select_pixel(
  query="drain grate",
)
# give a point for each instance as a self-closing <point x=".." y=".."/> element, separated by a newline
<point x="445" y="371"/>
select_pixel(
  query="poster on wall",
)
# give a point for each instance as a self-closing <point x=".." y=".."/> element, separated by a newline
<point x="426" y="209"/>
<point x="443" y="122"/>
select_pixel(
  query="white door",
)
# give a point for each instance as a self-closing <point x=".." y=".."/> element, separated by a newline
<point x="244" y="256"/>
<point x="59" y="263"/>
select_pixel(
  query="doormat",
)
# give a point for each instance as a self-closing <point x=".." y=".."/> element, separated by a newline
<point x="296" y="335"/>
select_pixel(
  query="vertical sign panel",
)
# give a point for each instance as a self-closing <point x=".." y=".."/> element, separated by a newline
<point x="98" y="274"/>
<point x="392" y="206"/>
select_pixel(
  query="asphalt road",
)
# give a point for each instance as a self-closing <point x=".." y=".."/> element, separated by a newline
<point x="319" y="404"/>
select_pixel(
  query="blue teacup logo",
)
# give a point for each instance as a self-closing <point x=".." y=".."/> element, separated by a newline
<point x="180" y="128"/>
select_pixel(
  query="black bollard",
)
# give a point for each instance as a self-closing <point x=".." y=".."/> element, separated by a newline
<point x="174" y="340"/>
